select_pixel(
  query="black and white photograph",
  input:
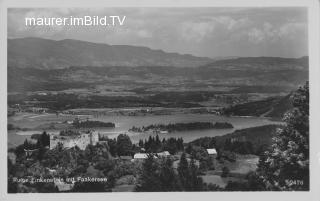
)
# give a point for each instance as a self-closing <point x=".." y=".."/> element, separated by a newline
<point x="154" y="99"/>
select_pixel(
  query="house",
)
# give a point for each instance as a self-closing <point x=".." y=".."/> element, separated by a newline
<point x="163" y="154"/>
<point x="42" y="94"/>
<point x="125" y="158"/>
<point x="140" y="156"/>
<point x="212" y="152"/>
<point x="164" y="132"/>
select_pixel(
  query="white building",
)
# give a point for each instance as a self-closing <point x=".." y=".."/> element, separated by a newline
<point x="140" y="156"/>
<point x="212" y="152"/>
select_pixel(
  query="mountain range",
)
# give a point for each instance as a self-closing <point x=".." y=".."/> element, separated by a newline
<point x="42" y="64"/>
<point x="51" y="54"/>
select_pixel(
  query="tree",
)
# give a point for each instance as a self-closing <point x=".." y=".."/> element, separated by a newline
<point x="171" y="146"/>
<point x="196" y="183"/>
<point x="286" y="165"/>
<point x="225" y="172"/>
<point x="183" y="171"/>
<point x="41" y="150"/>
<point x="43" y="139"/>
<point x="149" y="180"/>
<point x="124" y="145"/>
<point x="112" y="143"/>
<point x="252" y="183"/>
<point x="157" y="147"/>
<point x="188" y="175"/>
<point x="168" y="178"/>
<point x="141" y="145"/>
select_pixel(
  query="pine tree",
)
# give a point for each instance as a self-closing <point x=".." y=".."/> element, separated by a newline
<point x="26" y="144"/>
<point x="168" y="178"/>
<point x="124" y="145"/>
<point x="196" y="182"/>
<point x="149" y="180"/>
<point x="157" y="144"/>
<point x="183" y="171"/>
<point x="141" y="143"/>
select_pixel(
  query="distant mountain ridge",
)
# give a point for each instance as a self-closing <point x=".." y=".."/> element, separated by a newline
<point x="261" y="63"/>
<point x="41" y="64"/>
<point x="51" y="54"/>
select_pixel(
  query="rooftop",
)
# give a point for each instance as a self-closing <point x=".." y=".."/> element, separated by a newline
<point x="212" y="151"/>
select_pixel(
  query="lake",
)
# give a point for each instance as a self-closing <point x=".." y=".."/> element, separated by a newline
<point x="124" y="123"/>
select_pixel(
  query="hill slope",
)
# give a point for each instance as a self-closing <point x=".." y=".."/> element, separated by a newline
<point x="273" y="107"/>
<point x="51" y="54"/>
<point x="261" y="63"/>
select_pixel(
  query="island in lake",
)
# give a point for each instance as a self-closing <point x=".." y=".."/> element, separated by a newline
<point x="168" y="128"/>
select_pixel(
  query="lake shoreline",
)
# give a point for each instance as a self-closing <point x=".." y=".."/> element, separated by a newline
<point x="124" y="123"/>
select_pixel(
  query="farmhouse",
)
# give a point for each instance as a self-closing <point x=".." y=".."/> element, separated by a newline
<point x="138" y="156"/>
<point x="212" y="152"/>
<point x="141" y="156"/>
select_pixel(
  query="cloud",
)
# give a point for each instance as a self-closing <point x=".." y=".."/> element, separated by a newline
<point x="293" y="29"/>
<point x="144" y="34"/>
<point x="196" y="31"/>
<point x="256" y="35"/>
<point x="199" y="31"/>
<point x="269" y="33"/>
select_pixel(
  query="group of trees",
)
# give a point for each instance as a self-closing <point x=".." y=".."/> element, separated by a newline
<point x="205" y="142"/>
<point x="159" y="175"/>
<point x="69" y="163"/>
<point x="183" y="126"/>
<point x="39" y="147"/>
<point x="200" y="153"/>
<point x="69" y="132"/>
<point x="120" y="146"/>
<point x="123" y="146"/>
<point x="241" y="147"/>
<point x="285" y="166"/>
<point x="92" y="124"/>
<point x="154" y="144"/>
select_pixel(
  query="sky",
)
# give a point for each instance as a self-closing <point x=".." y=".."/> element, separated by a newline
<point x="210" y="32"/>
